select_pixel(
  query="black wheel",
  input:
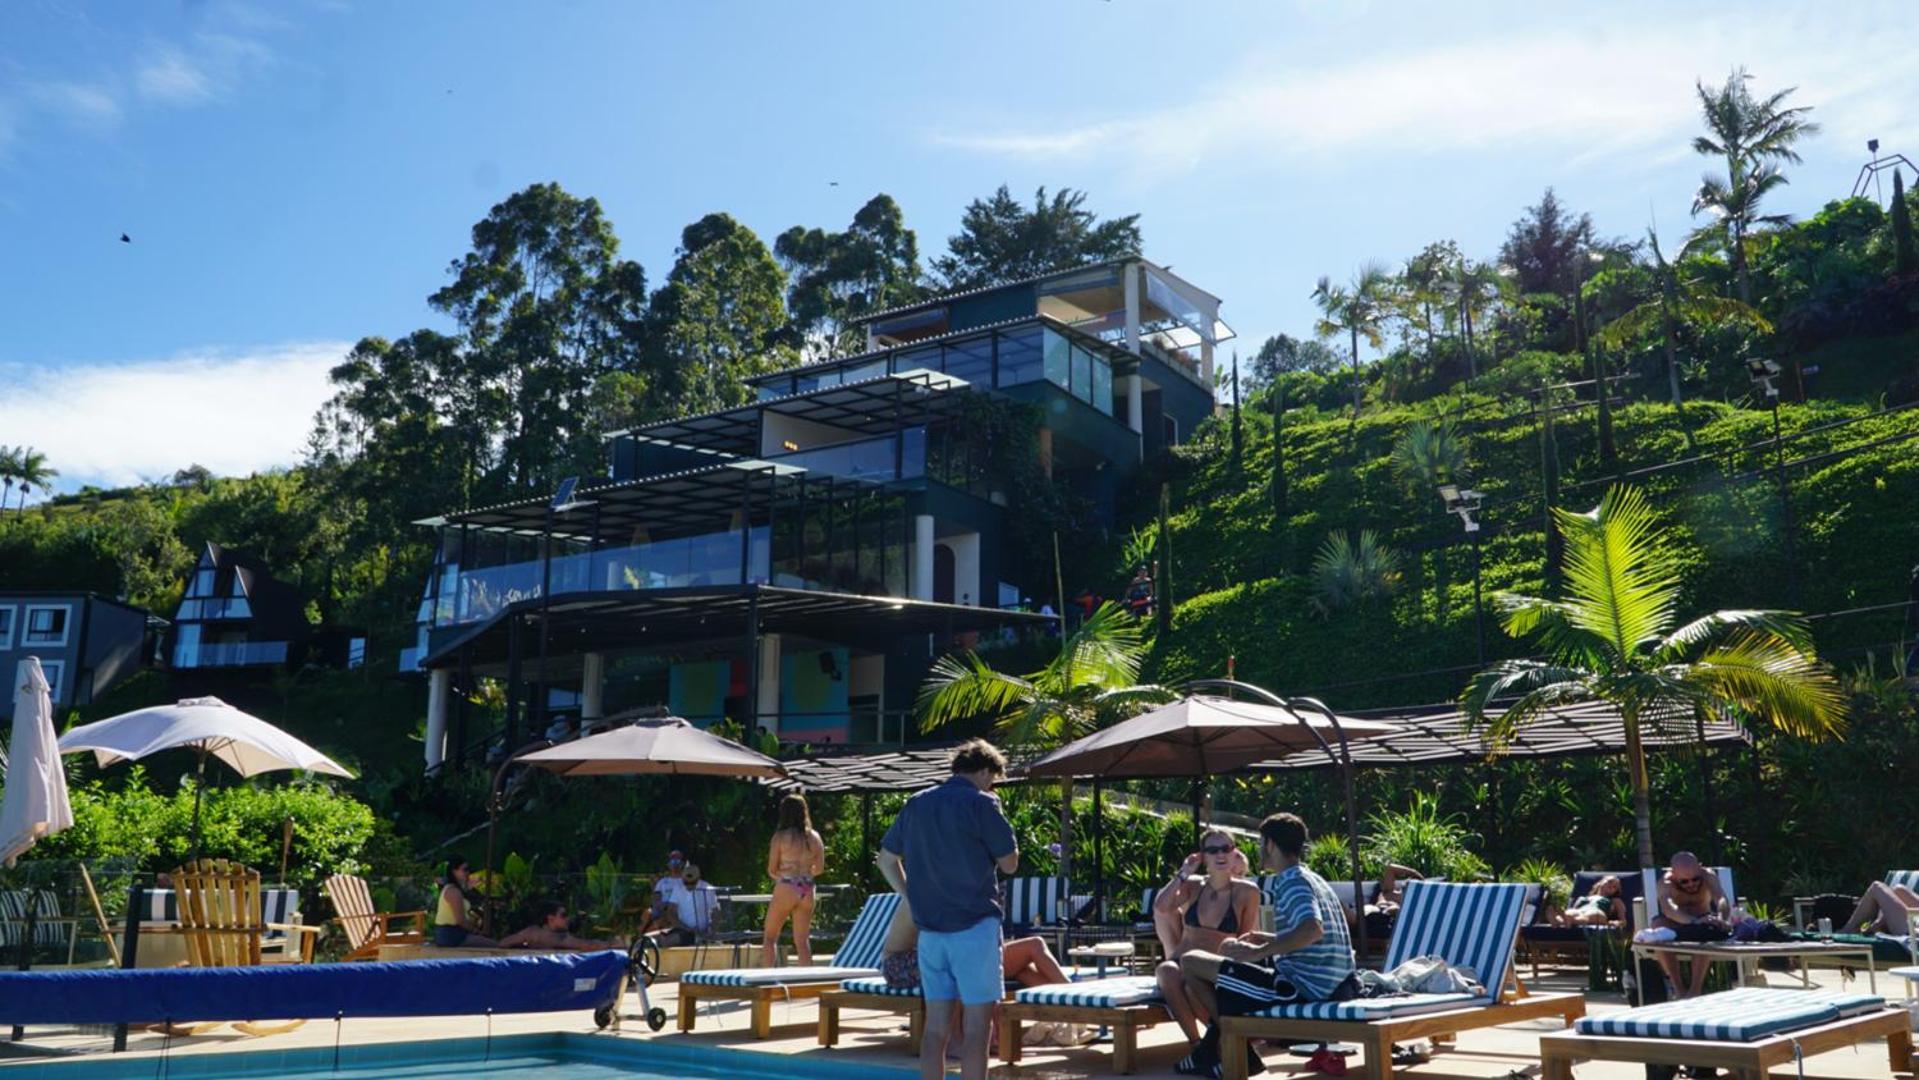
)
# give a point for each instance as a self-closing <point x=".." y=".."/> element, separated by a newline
<point x="603" y="1017"/>
<point x="656" y="1018"/>
<point x="645" y="959"/>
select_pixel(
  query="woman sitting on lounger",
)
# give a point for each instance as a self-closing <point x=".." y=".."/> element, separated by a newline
<point x="453" y="920"/>
<point x="1599" y="907"/>
<point x="1884" y="909"/>
<point x="550" y="931"/>
<point x="1205" y="911"/>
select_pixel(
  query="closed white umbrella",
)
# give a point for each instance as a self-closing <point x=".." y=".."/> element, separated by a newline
<point x="35" y="803"/>
<point x="247" y="743"/>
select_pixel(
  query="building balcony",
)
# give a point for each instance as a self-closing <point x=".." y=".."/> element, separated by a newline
<point x="229" y="654"/>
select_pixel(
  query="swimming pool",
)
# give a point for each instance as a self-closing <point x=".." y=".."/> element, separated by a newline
<point x="556" y="1056"/>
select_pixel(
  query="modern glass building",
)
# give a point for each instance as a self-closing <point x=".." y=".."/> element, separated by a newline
<point x="797" y="562"/>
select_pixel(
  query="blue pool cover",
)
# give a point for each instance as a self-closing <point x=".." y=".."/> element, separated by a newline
<point x="502" y="984"/>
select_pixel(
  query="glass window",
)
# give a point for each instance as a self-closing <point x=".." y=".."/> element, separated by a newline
<point x="1082" y="374"/>
<point x="971" y="360"/>
<point x="46" y="626"/>
<point x="202" y="583"/>
<point x="911" y="359"/>
<point x="1103" y="385"/>
<point x="1019" y="357"/>
<point x="1059" y="367"/>
<point x="55" y="671"/>
<point x="189" y="609"/>
<point x="6" y="628"/>
<point x="912" y="453"/>
<point x="861" y="372"/>
<point x="186" y="647"/>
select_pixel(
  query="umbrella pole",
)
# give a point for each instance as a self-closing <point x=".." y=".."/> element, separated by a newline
<point x="1099" y="858"/>
<point x="199" y="791"/>
<point x="1197" y="783"/>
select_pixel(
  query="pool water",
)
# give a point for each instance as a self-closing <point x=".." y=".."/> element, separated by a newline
<point x="560" y="1056"/>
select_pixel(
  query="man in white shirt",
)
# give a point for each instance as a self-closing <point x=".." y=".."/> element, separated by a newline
<point x="683" y="908"/>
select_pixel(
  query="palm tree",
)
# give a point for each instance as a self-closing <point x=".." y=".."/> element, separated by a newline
<point x="1428" y="454"/>
<point x="1353" y="571"/>
<point x="1753" y="136"/>
<point x="1356" y="309"/>
<point x="9" y="469"/>
<point x="1615" y="638"/>
<point x="1092" y="682"/>
<point x="1473" y="287"/>
<point x="1682" y="300"/>
<point x="31" y="471"/>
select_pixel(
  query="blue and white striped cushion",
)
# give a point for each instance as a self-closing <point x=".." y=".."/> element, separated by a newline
<point x="1363" y="1009"/>
<point x="877" y="984"/>
<point x="1035" y="901"/>
<point x="858" y="955"/>
<point x="46" y="908"/>
<point x="1471" y="926"/>
<point x="278" y="906"/>
<point x="1741" y="1015"/>
<point x="1908" y="878"/>
<point x="1114" y="993"/>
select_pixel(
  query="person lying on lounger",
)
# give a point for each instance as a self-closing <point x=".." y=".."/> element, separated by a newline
<point x="1692" y="905"/>
<point x="1884" y="909"/>
<point x="1599" y="907"/>
<point x="551" y="931"/>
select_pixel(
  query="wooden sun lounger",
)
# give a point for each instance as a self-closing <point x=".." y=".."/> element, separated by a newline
<point x="858" y="956"/>
<point x="761" y="997"/>
<point x="1745" y="1060"/>
<point x="1125" y="1020"/>
<point x="1376" y="1037"/>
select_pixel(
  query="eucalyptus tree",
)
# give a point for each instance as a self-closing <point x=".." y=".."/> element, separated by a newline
<point x="1001" y="240"/>
<point x="1752" y="136"/>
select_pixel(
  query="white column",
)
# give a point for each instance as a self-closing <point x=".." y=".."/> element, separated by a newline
<point x="1135" y="407"/>
<point x="592" y="685"/>
<point x="1129" y="274"/>
<point x="923" y="557"/>
<point x="439" y="687"/>
<point x="767" y="696"/>
<point x="1206" y="366"/>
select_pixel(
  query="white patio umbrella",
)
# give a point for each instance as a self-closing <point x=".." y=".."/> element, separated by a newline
<point x="206" y="725"/>
<point x="35" y="803"/>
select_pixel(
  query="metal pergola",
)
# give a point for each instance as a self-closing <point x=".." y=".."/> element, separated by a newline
<point x="878" y="406"/>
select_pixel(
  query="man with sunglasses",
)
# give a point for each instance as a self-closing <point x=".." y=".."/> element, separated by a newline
<point x="1694" y="907"/>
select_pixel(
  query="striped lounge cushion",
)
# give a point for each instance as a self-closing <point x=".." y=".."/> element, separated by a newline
<point x="1908" y="878"/>
<point x="858" y="955"/>
<point x="1472" y="926"/>
<point x="1741" y="1015"/>
<point x="1363" y="1009"/>
<point x="278" y="906"/>
<point x="13" y="918"/>
<point x="1035" y="901"/>
<point x="876" y="984"/>
<point x="1113" y="993"/>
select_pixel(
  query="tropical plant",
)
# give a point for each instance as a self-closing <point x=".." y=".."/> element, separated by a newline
<point x="1328" y="855"/>
<point x="1351" y="572"/>
<point x="1429" y="453"/>
<point x="1355" y="310"/>
<point x="1473" y="288"/>
<point x="9" y="471"/>
<point x="1615" y="638"/>
<point x="1424" y="838"/>
<point x="1753" y="136"/>
<point x="30" y="471"/>
<point x="1092" y="682"/>
<point x="1681" y="301"/>
<point x="1543" y="872"/>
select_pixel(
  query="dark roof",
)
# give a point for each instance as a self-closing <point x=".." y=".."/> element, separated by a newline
<point x="68" y="594"/>
<point x="868" y="406"/>
<point x="1444" y="733"/>
<point x="637" y="618"/>
<point x="980" y="290"/>
<point x="855" y="771"/>
<point x="1116" y="352"/>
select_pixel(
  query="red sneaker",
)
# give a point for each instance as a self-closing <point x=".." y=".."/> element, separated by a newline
<point x="1325" y="1061"/>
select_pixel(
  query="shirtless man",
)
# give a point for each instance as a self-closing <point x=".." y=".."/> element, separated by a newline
<point x="550" y="931"/>
<point x="1689" y="895"/>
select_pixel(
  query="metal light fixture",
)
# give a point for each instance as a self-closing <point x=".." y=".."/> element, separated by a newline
<point x="1462" y="501"/>
<point x="1763" y="372"/>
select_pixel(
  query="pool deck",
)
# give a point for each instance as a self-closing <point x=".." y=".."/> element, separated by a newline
<point x="877" y="1040"/>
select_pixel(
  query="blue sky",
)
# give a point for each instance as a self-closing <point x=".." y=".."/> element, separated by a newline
<point x="297" y="175"/>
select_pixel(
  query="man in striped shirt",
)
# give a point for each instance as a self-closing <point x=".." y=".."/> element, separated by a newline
<point x="1308" y="958"/>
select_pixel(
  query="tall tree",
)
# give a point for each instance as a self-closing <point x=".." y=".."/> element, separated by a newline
<point x="544" y="305"/>
<point x="1283" y="353"/>
<point x="1752" y="136"/>
<point x="1355" y="310"/>
<point x="839" y="276"/>
<point x="1473" y="288"/>
<point x="9" y="472"/>
<point x="1905" y="259"/>
<point x="719" y="318"/>
<point x="32" y="471"/>
<point x="1614" y="637"/>
<point x="1682" y="301"/>
<point x="1001" y="240"/>
<point x="1423" y="289"/>
<point x="1542" y="245"/>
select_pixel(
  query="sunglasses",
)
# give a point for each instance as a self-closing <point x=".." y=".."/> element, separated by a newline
<point x="1688" y="882"/>
<point x="1213" y="849"/>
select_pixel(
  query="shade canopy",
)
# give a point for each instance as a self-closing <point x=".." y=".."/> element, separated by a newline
<point x="35" y="803"/>
<point x="1445" y="733"/>
<point x="664" y="745"/>
<point x="1202" y="735"/>
<point x="248" y="744"/>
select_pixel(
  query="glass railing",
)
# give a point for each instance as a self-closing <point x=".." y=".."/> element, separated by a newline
<point x="229" y="654"/>
<point x="707" y="559"/>
<point x="213" y="607"/>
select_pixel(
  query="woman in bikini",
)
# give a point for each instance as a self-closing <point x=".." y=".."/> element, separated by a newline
<point x="1209" y="910"/>
<point x="796" y="857"/>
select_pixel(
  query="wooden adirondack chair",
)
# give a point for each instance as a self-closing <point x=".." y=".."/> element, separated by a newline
<point x="220" y="918"/>
<point x="366" y="929"/>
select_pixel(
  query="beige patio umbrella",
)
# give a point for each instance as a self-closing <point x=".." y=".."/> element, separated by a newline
<point x="668" y="745"/>
<point x="1202" y="735"/>
<point x="35" y="803"/>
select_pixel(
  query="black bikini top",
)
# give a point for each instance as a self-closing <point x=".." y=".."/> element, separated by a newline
<point x="1227" y="925"/>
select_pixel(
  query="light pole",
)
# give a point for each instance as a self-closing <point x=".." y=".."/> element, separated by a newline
<point x="1764" y="373"/>
<point x="1465" y="502"/>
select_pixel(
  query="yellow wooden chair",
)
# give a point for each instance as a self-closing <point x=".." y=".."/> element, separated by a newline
<point x="365" y="928"/>
<point x="220" y="919"/>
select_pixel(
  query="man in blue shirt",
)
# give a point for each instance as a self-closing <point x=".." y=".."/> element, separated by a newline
<point x="947" y="842"/>
<point x="1309" y="958"/>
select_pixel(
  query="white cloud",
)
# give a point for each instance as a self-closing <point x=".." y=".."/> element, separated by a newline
<point x="235" y="412"/>
<point x="1599" y="90"/>
<point x="169" y="78"/>
<point x="86" y="103"/>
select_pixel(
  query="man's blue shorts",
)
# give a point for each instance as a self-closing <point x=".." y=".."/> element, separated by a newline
<point x="963" y="966"/>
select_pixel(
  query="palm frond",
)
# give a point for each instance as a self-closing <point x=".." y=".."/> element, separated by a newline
<point x="1621" y="581"/>
<point x="1104" y="652"/>
<point x="1537" y="686"/>
<point x="1708" y="629"/>
<point x="1774" y="683"/>
<point x="961" y="687"/>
